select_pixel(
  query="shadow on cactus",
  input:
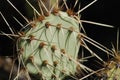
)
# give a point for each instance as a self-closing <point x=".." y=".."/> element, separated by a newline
<point x="47" y="47"/>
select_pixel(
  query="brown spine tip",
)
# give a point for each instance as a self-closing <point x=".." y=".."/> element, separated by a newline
<point x="56" y="11"/>
<point x="63" y="71"/>
<point x="79" y="36"/>
<point x="42" y="44"/>
<point x="21" y="34"/>
<point x="55" y="63"/>
<point x="71" y="29"/>
<point x="31" y="59"/>
<point x="31" y="37"/>
<point x="53" y="76"/>
<point x="59" y="26"/>
<point x="23" y="69"/>
<point x="47" y="24"/>
<point x="53" y="48"/>
<point x="33" y="25"/>
<point x="47" y="14"/>
<point x="45" y="63"/>
<point x="41" y="18"/>
<point x="78" y="68"/>
<point x="70" y="59"/>
<point x="63" y="51"/>
<point x="70" y="12"/>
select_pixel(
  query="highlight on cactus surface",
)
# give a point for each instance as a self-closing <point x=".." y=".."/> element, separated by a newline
<point x="48" y="46"/>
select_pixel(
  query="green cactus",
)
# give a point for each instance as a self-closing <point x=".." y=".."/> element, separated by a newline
<point x="111" y="68"/>
<point x="111" y="71"/>
<point x="51" y="44"/>
<point x="114" y="72"/>
<point x="48" y="46"/>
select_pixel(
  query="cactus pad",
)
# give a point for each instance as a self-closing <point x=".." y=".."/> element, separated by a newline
<point x="50" y="46"/>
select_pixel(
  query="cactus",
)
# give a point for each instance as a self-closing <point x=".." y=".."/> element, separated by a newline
<point x="111" y="69"/>
<point x="47" y="47"/>
<point x="51" y="44"/>
<point x="114" y="72"/>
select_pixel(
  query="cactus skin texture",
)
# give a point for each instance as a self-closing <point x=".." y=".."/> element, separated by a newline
<point x="114" y="72"/>
<point x="49" y="45"/>
<point x="111" y="71"/>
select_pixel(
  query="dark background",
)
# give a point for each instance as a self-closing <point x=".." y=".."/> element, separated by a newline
<point x="103" y="11"/>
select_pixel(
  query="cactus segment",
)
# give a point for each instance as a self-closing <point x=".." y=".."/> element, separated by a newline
<point x="49" y="46"/>
<point x="112" y="67"/>
<point x="114" y="72"/>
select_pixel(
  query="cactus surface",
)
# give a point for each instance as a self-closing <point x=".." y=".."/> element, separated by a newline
<point x="51" y="44"/>
<point x="114" y="72"/>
